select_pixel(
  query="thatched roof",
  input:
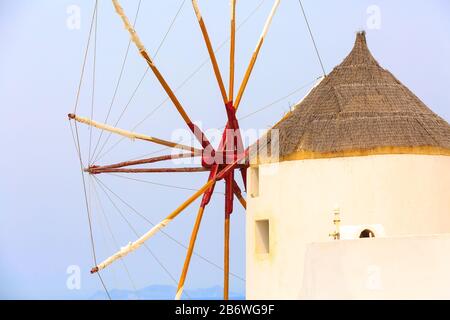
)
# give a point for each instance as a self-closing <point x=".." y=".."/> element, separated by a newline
<point x="360" y="109"/>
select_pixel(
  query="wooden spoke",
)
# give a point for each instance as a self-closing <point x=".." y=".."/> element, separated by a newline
<point x="137" y="41"/>
<point x="255" y="55"/>
<point x="190" y="250"/>
<point x="133" y="135"/>
<point x="147" y="161"/>
<point x="232" y="50"/>
<point x="211" y="53"/>
<point x="94" y="170"/>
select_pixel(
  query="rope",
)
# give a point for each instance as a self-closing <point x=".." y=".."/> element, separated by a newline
<point x="103" y="285"/>
<point x="83" y="67"/>
<point x="145" y="73"/>
<point x="116" y="243"/>
<point x="74" y="138"/>
<point x="280" y="99"/>
<point x="190" y="77"/>
<point x="78" y="149"/>
<point x="312" y="38"/>
<point x="103" y="233"/>
<point x="102" y="185"/>
<point x="88" y="210"/>
<point x="151" y="154"/>
<point x="93" y="84"/>
<point x="119" y="79"/>
<point x="157" y="183"/>
<point x="164" y="232"/>
<point x="168" y="30"/>
<point x="101" y="228"/>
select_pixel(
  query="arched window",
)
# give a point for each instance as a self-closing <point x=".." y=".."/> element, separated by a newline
<point x="367" y="233"/>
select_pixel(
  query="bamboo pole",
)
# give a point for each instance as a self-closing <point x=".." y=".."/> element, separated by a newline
<point x="255" y="55"/>
<point x="211" y="53"/>
<point x="137" y="41"/>
<point x="232" y="50"/>
<point x="133" y="135"/>
<point x="138" y="243"/>
<point x="147" y="161"/>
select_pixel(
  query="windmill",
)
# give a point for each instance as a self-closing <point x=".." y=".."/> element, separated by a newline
<point x="226" y="162"/>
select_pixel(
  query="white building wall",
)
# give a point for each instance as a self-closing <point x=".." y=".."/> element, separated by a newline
<point x="408" y="267"/>
<point x="406" y="194"/>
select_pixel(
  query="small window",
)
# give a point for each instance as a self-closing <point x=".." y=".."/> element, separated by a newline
<point x="262" y="243"/>
<point x="367" y="233"/>
<point x="254" y="185"/>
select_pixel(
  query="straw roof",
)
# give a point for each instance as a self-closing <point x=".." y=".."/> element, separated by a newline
<point x="360" y="109"/>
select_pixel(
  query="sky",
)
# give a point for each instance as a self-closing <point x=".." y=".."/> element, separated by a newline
<point x="44" y="232"/>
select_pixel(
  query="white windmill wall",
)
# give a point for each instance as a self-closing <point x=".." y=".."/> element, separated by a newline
<point x="405" y="194"/>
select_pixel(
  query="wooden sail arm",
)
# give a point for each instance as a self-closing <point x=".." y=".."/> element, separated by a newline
<point x="124" y="165"/>
<point x="133" y="135"/>
<point x="137" y="41"/>
<point x="133" y="246"/>
<point x="147" y="161"/>
<point x="255" y="55"/>
<point x="190" y="250"/>
<point x="211" y="53"/>
<point x="95" y="170"/>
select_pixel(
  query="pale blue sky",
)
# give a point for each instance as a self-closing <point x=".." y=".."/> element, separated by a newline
<point x="43" y="225"/>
